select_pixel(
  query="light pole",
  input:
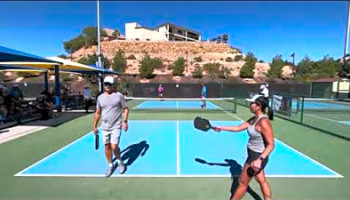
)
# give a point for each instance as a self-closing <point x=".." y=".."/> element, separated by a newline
<point x="98" y="35"/>
<point x="100" y="87"/>
<point x="347" y="32"/>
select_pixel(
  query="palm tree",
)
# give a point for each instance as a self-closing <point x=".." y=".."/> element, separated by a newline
<point x="116" y="34"/>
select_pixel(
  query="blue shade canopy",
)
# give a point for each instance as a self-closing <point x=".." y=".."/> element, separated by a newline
<point x="21" y="69"/>
<point x="11" y="55"/>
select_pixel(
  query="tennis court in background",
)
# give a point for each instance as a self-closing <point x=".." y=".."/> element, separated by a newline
<point x="163" y="151"/>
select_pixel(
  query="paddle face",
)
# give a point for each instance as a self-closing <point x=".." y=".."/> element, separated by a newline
<point x="97" y="143"/>
<point x="202" y="124"/>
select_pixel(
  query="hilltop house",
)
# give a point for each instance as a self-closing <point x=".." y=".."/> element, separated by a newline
<point x="110" y="35"/>
<point x="164" y="32"/>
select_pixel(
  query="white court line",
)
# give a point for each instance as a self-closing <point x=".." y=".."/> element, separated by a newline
<point x="136" y="107"/>
<point x="307" y="157"/>
<point x="177" y="149"/>
<point x="322" y="118"/>
<point x="298" y="152"/>
<point x="49" y="156"/>
<point x="337" y="175"/>
<point x="172" y="176"/>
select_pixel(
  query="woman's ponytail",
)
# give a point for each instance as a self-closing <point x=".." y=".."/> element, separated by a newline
<point x="270" y="113"/>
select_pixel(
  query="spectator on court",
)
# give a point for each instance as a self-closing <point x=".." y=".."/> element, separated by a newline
<point x="112" y="107"/>
<point x="260" y="146"/>
<point x="44" y="106"/>
<point x="160" y="91"/>
<point x="264" y="90"/>
<point x="3" y="107"/>
<point x="204" y="95"/>
<point x="16" y="93"/>
<point x="87" y="98"/>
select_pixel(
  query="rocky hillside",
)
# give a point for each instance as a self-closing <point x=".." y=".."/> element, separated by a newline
<point x="170" y="51"/>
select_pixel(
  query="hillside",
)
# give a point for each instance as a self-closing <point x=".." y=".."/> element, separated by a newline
<point x="170" y="51"/>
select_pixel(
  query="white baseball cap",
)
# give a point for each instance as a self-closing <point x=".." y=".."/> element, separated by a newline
<point x="260" y="99"/>
<point x="109" y="79"/>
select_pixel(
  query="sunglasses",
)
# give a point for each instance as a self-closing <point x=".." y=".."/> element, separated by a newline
<point x="107" y="84"/>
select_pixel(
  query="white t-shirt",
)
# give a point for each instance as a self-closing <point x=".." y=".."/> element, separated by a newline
<point x="265" y="92"/>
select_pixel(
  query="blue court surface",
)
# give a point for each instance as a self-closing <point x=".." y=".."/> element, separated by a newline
<point x="319" y="105"/>
<point x="174" y="149"/>
<point x="175" y="104"/>
<point x="346" y="122"/>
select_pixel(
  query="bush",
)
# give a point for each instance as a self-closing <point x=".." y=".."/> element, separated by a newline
<point x="197" y="72"/>
<point x="198" y="59"/>
<point x="131" y="57"/>
<point x="213" y="69"/>
<point x="119" y="61"/>
<point x="229" y="59"/>
<point x="247" y="70"/>
<point x="157" y="63"/>
<point x="225" y="72"/>
<point x="276" y="67"/>
<point x="238" y="58"/>
<point x="179" y="67"/>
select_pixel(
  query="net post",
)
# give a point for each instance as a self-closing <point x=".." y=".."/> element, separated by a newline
<point x="235" y="105"/>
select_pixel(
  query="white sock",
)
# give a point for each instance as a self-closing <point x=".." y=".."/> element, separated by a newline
<point x="110" y="164"/>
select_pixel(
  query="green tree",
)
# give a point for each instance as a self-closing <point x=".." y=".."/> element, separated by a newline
<point x="247" y="70"/>
<point x="344" y="69"/>
<point x="86" y="39"/>
<point x="119" y="61"/>
<point x="92" y="60"/>
<point x="305" y="66"/>
<point x="74" y="44"/>
<point x="179" y="66"/>
<point x="90" y="35"/>
<point x="147" y="66"/>
<point x="327" y="67"/>
<point x="276" y="67"/>
<point x="305" y="69"/>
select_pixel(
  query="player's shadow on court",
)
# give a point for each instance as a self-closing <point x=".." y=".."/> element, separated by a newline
<point x="235" y="170"/>
<point x="134" y="151"/>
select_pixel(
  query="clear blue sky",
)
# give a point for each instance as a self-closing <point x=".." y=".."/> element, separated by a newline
<point x="265" y="28"/>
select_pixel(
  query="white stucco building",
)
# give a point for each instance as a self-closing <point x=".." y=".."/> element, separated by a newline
<point x="164" y="32"/>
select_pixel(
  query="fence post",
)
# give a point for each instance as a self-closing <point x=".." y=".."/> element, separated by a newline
<point x="302" y="110"/>
<point x="311" y="87"/>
